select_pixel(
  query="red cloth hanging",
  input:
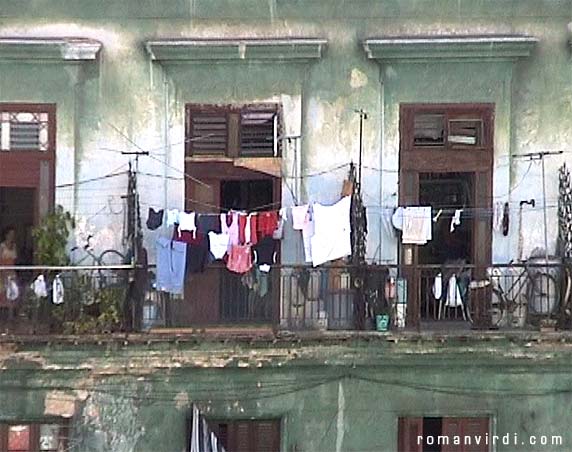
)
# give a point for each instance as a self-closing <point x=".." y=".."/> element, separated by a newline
<point x="267" y="223"/>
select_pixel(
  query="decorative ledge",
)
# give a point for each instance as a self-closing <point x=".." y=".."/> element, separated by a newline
<point x="64" y="49"/>
<point x="239" y="49"/>
<point x="453" y="48"/>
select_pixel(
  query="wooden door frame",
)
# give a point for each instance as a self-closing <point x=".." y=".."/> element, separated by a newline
<point x="214" y="172"/>
<point x="414" y="160"/>
<point x="29" y="161"/>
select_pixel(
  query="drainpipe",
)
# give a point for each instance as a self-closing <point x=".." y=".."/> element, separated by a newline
<point x="167" y="144"/>
<point x="381" y="147"/>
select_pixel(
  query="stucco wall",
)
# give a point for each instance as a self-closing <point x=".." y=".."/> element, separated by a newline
<point x="124" y="90"/>
<point x="331" y="396"/>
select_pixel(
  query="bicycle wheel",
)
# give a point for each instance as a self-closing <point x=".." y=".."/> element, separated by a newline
<point x="111" y="257"/>
<point x="543" y="294"/>
<point x="498" y="308"/>
<point x="109" y="277"/>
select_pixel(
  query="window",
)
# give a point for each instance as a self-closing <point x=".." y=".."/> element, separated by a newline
<point x="245" y="131"/>
<point x="443" y="434"/>
<point x="248" y="435"/>
<point x="447" y="127"/>
<point x="22" y="130"/>
<point x="33" y="437"/>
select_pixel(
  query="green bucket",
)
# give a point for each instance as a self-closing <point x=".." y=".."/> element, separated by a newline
<point x="382" y="322"/>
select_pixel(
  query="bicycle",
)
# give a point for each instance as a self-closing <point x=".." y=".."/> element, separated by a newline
<point x="526" y="291"/>
<point x="105" y="277"/>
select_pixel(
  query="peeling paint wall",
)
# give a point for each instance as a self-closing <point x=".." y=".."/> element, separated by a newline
<point x="124" y="90"/>
<point x="330" y="395"/>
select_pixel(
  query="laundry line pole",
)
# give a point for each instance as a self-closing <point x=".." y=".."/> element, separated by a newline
<point x="541" y="156"/>
<point x="362" y="116"/>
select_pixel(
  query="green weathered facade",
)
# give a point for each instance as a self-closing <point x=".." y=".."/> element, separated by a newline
<point x="332" y="394"/>
<point x="116" y="89"/>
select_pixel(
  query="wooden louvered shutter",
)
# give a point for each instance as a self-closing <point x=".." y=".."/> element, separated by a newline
<point x="207" y="131"/>
<point x="476" y="427"/>
<point x="452" y="427"/>
<point x="258" y="131"/>
<point x="408" y="432"/>
<point x="473" y="427"/>
<point x="267" y="436"/>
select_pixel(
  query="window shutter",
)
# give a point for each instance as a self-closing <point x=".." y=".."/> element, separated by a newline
<point x="409" y="429"/>
<point x="24" y="136"/>
<point x="472" y="426"/>
<point x="258" y="131"/>
<point x="242" y="437"/>
<point x="267" y="436"/>
<point x="476" y="427"/>
<point x="207" y="132"/>
<point x="452" y="427"/>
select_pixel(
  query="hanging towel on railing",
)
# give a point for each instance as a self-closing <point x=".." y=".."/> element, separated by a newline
<point x="332" y="232"/>
<point x="454" y="299"/>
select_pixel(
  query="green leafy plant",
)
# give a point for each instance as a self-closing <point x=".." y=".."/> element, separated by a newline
<point x="51" y="237"/>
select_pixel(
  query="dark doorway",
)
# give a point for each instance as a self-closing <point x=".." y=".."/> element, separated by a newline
<point x="445" y="193"/>
<point x="248" y="195"/>
<point x="17" y="210"/>
<point x="237" y="301"/>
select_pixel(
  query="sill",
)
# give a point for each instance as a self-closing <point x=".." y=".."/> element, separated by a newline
<point x="267" y="165"/>
<point x="64" y="49"/>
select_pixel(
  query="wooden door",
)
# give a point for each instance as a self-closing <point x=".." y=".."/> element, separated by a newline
<point x="442" y="156"/>
<point x="409" y="430"/>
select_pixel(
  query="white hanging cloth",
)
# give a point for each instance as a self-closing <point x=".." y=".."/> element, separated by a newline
<point x="454" y="299"/>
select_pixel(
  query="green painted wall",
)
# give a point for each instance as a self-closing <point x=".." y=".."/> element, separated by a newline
<point x="126" y="90"/>
<point x="331" y="395"/>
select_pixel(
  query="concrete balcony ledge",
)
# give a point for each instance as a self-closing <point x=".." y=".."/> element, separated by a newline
<point x="55" y="49"/>
<point x="180" y="50"/>
<point x="450" y="48"/>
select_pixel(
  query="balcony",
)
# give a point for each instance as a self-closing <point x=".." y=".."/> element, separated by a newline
<point x="295" y="299"/>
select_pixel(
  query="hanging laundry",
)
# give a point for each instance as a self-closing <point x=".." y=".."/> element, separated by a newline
<point x="12" y="289"/>
<point x="397" y="218"/>
<point x="229" y="225"/>
<point x="307" y="234"/>
<point x="505" y="219"/>
<point x="251" y="229"/>
<point x="218" y="244"/>
<point x="278" y="233"/>
<point x="497" y="216"/>
<point x="456" y="220"/>
<point x="171" y="261"/>
<point x="454" y="299"/>
<point x="417" y="225"/>
<point x="299" y="216"/>
<point x="267" y="223"/>
<point x="265" y="253"/>
<point x="208" y="223"/>
<point x="239" y="258"/>
<point x="187" y="222"/>
<point x="438" y="287"/>
<point x="198" y="250"/>
<point x="39" y="287"/>
<point x="154" y="219"/>
<point x="332" y="231"/>
<point x="172" y="217"/>
<point x="57" y="290"/>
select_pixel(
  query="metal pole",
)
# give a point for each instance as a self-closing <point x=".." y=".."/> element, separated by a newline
<point x="544" y="208"/>
<point x="361" y="118"/>
<point x="167" y="146"/>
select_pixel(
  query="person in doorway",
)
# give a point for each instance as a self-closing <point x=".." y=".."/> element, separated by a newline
<point x="8" y="256"/>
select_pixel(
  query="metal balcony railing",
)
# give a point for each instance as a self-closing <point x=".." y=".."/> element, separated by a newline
<point x="110" y="299"/>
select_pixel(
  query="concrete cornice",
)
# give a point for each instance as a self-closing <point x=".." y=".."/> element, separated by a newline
<point x="452" y="48"/>
<point x="235" y="49"/>
<point x="62" y="49"/>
